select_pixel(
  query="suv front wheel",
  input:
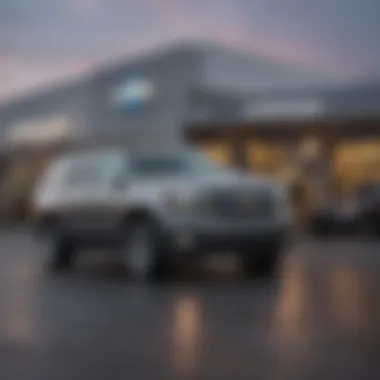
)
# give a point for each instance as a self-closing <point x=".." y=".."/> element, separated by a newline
<point x="141" y="251"/>
<point x="263" y="260"/>
<point x="61" y="252"/>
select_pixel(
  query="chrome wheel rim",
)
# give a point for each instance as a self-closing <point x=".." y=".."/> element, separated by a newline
<point x="138" y="253"/>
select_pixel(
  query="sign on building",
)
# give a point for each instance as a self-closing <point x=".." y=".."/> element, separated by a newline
<point x="133" y="94"/>
<point x="283" y="108"/>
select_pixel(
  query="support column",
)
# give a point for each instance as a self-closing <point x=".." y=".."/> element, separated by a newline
<point x="297" y="183"/>
<point x="322" y="176"/>
<point x="312" y="181"/>
<point x="238" y="143"/>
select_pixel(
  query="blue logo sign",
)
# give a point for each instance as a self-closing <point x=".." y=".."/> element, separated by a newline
<point x="134" y="93"/>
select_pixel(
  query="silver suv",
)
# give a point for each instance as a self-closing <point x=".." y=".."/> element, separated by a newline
<point x="159" y="208"/>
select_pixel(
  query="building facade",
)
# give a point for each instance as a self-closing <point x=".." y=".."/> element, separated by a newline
<point x="156" y="95"/>
<point x="249" y="111"/>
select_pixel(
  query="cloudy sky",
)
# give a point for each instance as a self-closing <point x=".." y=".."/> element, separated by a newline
<point x="42" y="41"/>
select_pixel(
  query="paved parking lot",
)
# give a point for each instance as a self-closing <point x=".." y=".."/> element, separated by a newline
<point x="317" y="318"/>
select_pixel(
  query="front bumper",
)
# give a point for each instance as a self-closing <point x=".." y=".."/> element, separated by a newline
<point x="219" y="236"/>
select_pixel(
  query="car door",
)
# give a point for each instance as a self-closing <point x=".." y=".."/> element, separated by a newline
<point x="109" y="203"/>
<point x="90" y="201"/>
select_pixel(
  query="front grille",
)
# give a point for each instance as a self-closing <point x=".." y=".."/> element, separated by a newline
<point x="242" y="204"/>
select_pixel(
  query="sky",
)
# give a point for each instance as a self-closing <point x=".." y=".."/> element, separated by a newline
<point x="46" y="41"/>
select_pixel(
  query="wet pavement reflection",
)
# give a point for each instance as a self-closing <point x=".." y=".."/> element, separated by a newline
<point x="317" y="318"/>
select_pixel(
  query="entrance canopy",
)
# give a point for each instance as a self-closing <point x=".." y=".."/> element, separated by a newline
<point x="287" y="128"/>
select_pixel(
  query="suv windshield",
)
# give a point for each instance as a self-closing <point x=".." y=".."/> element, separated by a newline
<point x="172" y="164"/>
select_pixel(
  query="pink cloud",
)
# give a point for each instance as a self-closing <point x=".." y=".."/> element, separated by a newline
<point x="193" y="23"/>
<point x="98" y="32"/>
<point x="19" y="76"/>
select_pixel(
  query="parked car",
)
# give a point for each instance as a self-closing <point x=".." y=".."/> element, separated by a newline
<point x="358" y="213"/>
<point x="368" y="211"/>
<point x="339" y="218"/>
<point x="158" y="208"/>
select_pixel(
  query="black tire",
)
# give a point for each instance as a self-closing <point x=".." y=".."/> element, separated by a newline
<point x="143" y="252"/>
<point x="322" y="227"/>
<point x="369" y="228"/>
<point x="62" y="254"/>
<point x="265" y="261"/>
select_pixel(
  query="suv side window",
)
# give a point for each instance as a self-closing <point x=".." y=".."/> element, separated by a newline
<point x="114" y="168"/>
<point x="83" y="173"/>
<point x="96" y="170"/>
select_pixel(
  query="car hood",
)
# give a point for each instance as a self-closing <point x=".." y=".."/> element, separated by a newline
<point x="214" y="180"/>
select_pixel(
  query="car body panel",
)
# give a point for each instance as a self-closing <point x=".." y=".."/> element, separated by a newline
<point x="180" y="203"/>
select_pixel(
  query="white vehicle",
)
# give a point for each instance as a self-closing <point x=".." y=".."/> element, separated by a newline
<point x="159" y="208"/>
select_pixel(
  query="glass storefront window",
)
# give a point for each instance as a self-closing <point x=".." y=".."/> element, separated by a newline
<point x="219" y="152"/>
<point x="266" y="158"/>
<point x="356" y="163"/>
<point x="310" y="149"/>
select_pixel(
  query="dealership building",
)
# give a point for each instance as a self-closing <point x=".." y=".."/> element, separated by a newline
<point x="264" y="115"/>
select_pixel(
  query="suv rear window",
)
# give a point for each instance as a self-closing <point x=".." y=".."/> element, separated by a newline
<point x="84" y="172"/>
<point x="85" y="169"/>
